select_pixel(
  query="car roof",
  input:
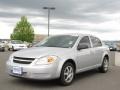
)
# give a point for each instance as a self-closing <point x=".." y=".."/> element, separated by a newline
<point x="77" y="34"/>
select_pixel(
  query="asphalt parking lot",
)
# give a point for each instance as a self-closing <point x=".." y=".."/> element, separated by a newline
<point x="90" y="80"/>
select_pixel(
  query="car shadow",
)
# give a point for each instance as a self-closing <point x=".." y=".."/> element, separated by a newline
<point x="86" y="74"/>
<point x="36" y="83"/>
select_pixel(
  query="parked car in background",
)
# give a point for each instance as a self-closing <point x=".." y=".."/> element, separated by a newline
<point x="2" y="46"/>
<point x="35" y="42"/>
<point x="112" y="45"/>
<point x="16" y="45"/>
<point x="60" y="57"/>
<point x="27" y="44"/>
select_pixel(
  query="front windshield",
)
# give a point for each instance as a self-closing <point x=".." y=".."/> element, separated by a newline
<point x="63" y="41"/>
<point x="16" y="42"/>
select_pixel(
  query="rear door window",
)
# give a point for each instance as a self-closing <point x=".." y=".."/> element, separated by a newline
<point x="95" y="41"/>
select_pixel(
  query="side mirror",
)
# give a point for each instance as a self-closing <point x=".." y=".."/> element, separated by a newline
<point x="82" y="46"/>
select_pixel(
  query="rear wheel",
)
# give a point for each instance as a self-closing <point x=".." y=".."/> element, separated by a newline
<point x="67" y="74"/>
<point x="105" y="65"/>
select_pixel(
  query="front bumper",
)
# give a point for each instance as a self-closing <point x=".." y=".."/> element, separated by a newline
<point x="42" y="72"/>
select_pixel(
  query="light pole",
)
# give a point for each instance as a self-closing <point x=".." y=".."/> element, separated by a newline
<point x="49" y="8"/>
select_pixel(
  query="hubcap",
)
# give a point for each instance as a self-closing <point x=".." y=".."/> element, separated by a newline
<point x="68" y="74"/>
<point x="105" y="64"/>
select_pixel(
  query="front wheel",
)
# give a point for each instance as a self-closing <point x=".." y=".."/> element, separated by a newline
<point x="105" y="65"/>
<point x="67" y="74"/>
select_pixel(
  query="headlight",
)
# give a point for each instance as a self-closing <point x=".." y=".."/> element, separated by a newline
<point x="46" y="60"/>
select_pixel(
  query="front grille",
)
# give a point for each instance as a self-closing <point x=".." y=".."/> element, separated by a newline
<point x="23" y="60"/>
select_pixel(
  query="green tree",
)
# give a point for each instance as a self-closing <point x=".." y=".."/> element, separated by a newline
<point x="23" y="31"/>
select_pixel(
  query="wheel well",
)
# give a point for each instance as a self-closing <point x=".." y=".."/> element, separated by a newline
<point x="107" y="56"/>
<point x="71" y="61"/>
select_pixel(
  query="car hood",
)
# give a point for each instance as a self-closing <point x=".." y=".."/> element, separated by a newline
<point x="18" y="44"/>
<point x="37" y="52"/>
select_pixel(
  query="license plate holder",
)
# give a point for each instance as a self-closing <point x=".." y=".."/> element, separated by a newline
<point x="17" y="70"/>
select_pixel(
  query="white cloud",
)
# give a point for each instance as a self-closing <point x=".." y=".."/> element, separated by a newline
<point x="20" y="11"/>
<point x="89" y="28"/>
<point x="5" y="30"/>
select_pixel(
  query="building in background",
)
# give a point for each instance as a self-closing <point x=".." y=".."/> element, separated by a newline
<point x="39" y="37"/>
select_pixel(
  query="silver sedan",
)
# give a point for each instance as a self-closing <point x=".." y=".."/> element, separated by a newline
<point x="60" y="57"/>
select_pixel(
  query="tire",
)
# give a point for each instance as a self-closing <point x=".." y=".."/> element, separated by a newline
<point x="105" y="65"/>
<point x="3" y="49"/>
<point x="12" y="48"/>
<point x="8" y="49"/>
<point x="67" y="74"/>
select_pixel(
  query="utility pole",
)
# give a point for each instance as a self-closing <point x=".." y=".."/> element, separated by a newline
<point x="49" y="8"/>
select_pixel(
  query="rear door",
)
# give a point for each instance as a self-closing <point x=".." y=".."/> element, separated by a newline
<point x="97" y="49"/>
